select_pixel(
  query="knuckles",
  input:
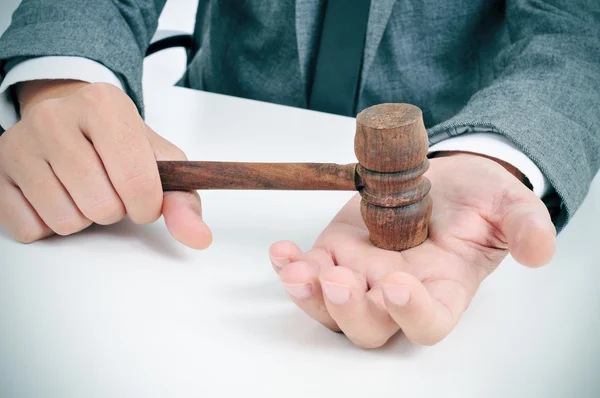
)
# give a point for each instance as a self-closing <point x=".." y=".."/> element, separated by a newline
<point x="42" y="129"/>
<point x="145" y="184"/>
<point x="70" y="225"/>
<point x="105" y="211"/>
<point x="138" y="183"/>
<point x="22" y="228"/>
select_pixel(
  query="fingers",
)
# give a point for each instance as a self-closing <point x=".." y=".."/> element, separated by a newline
<point x="129" y="151"/>
<point x="183" y="218"/>
<point x="334" y="296"/>
<point x="119" y="137"/>
<point x="47" y="195"/>
<point x="182" y="210"/>
<point x="341" y="299"/>
<point x="527" y="226"/>
<point x="355" y="310"/>
<point x="301" y="281"/>
<point x="426" y="312"/>
<point x="89" y="157"/>
<point x="18" y="217"/>
<point x="80" y="170"/>
<point x="284" y="252"/>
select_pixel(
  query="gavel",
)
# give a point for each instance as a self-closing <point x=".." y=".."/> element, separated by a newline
<point x="391" y="146"/>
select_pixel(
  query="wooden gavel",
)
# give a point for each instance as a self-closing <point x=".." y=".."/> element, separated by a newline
<point x="391" y="147"/>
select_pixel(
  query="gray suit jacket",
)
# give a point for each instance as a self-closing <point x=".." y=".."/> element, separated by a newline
<point x="526" y="69"/>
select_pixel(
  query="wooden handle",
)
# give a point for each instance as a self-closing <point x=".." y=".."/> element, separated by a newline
<point x="193" y="175"/>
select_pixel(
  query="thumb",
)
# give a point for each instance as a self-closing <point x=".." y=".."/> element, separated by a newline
<point x="528" y="228"/>
<point x="182" y="210"/>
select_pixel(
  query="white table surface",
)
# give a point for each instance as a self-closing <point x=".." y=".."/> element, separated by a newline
<point x="125" y="311"/>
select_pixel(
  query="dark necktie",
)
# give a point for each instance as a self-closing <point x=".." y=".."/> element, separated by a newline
<point x="339" y="58"/>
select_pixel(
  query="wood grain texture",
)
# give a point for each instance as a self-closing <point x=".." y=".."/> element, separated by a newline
<point x="391" y="145"/>
<point x="390" y="138"/>
<point x="194" y="175"/>
<point x="398" y="228"/>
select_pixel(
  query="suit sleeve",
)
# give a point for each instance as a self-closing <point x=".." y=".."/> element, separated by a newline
<point x="545" y="96"/>
<point x="114" y="33"/>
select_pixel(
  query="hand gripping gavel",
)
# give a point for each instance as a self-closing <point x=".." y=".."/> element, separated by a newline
<point x="391" y="147"/>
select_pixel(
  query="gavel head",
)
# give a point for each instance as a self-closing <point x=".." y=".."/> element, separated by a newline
<point x="391" y="147"/>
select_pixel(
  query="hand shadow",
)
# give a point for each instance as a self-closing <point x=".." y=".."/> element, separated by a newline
<point x="284" y="323"/>
<point x="152" y="237"/>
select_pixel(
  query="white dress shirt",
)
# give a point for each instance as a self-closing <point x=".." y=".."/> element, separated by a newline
<point x="77" y="68"/>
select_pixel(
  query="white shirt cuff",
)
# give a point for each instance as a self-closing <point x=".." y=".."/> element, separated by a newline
<point x="75" y="68"/>
<point x="497" y="146"/>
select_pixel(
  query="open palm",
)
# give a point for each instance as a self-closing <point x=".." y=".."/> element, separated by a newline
<point x="480" y="213"/>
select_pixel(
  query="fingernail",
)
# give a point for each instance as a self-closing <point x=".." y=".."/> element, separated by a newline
<point x="280" y="262"/>
<point x="397" y="294"/>
<point x="337" y="294"/>
<point x="299" y="290"/>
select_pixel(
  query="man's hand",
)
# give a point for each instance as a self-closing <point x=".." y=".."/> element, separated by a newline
<point x="81" y="154"/>
<point x="480" y="213"/>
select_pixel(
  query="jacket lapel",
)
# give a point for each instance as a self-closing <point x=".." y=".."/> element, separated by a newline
<point x="306" y="25"/>
<point x="379" y="16"/>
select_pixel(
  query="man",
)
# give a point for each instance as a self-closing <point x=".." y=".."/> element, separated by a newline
<point x="509" y="92"/>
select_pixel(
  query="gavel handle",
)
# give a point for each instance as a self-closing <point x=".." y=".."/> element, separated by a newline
<point x="197" y="175"/>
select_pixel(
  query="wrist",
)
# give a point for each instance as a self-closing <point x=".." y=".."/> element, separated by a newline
<point x="507" y="166"/>
<point x="32" y="92"/>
